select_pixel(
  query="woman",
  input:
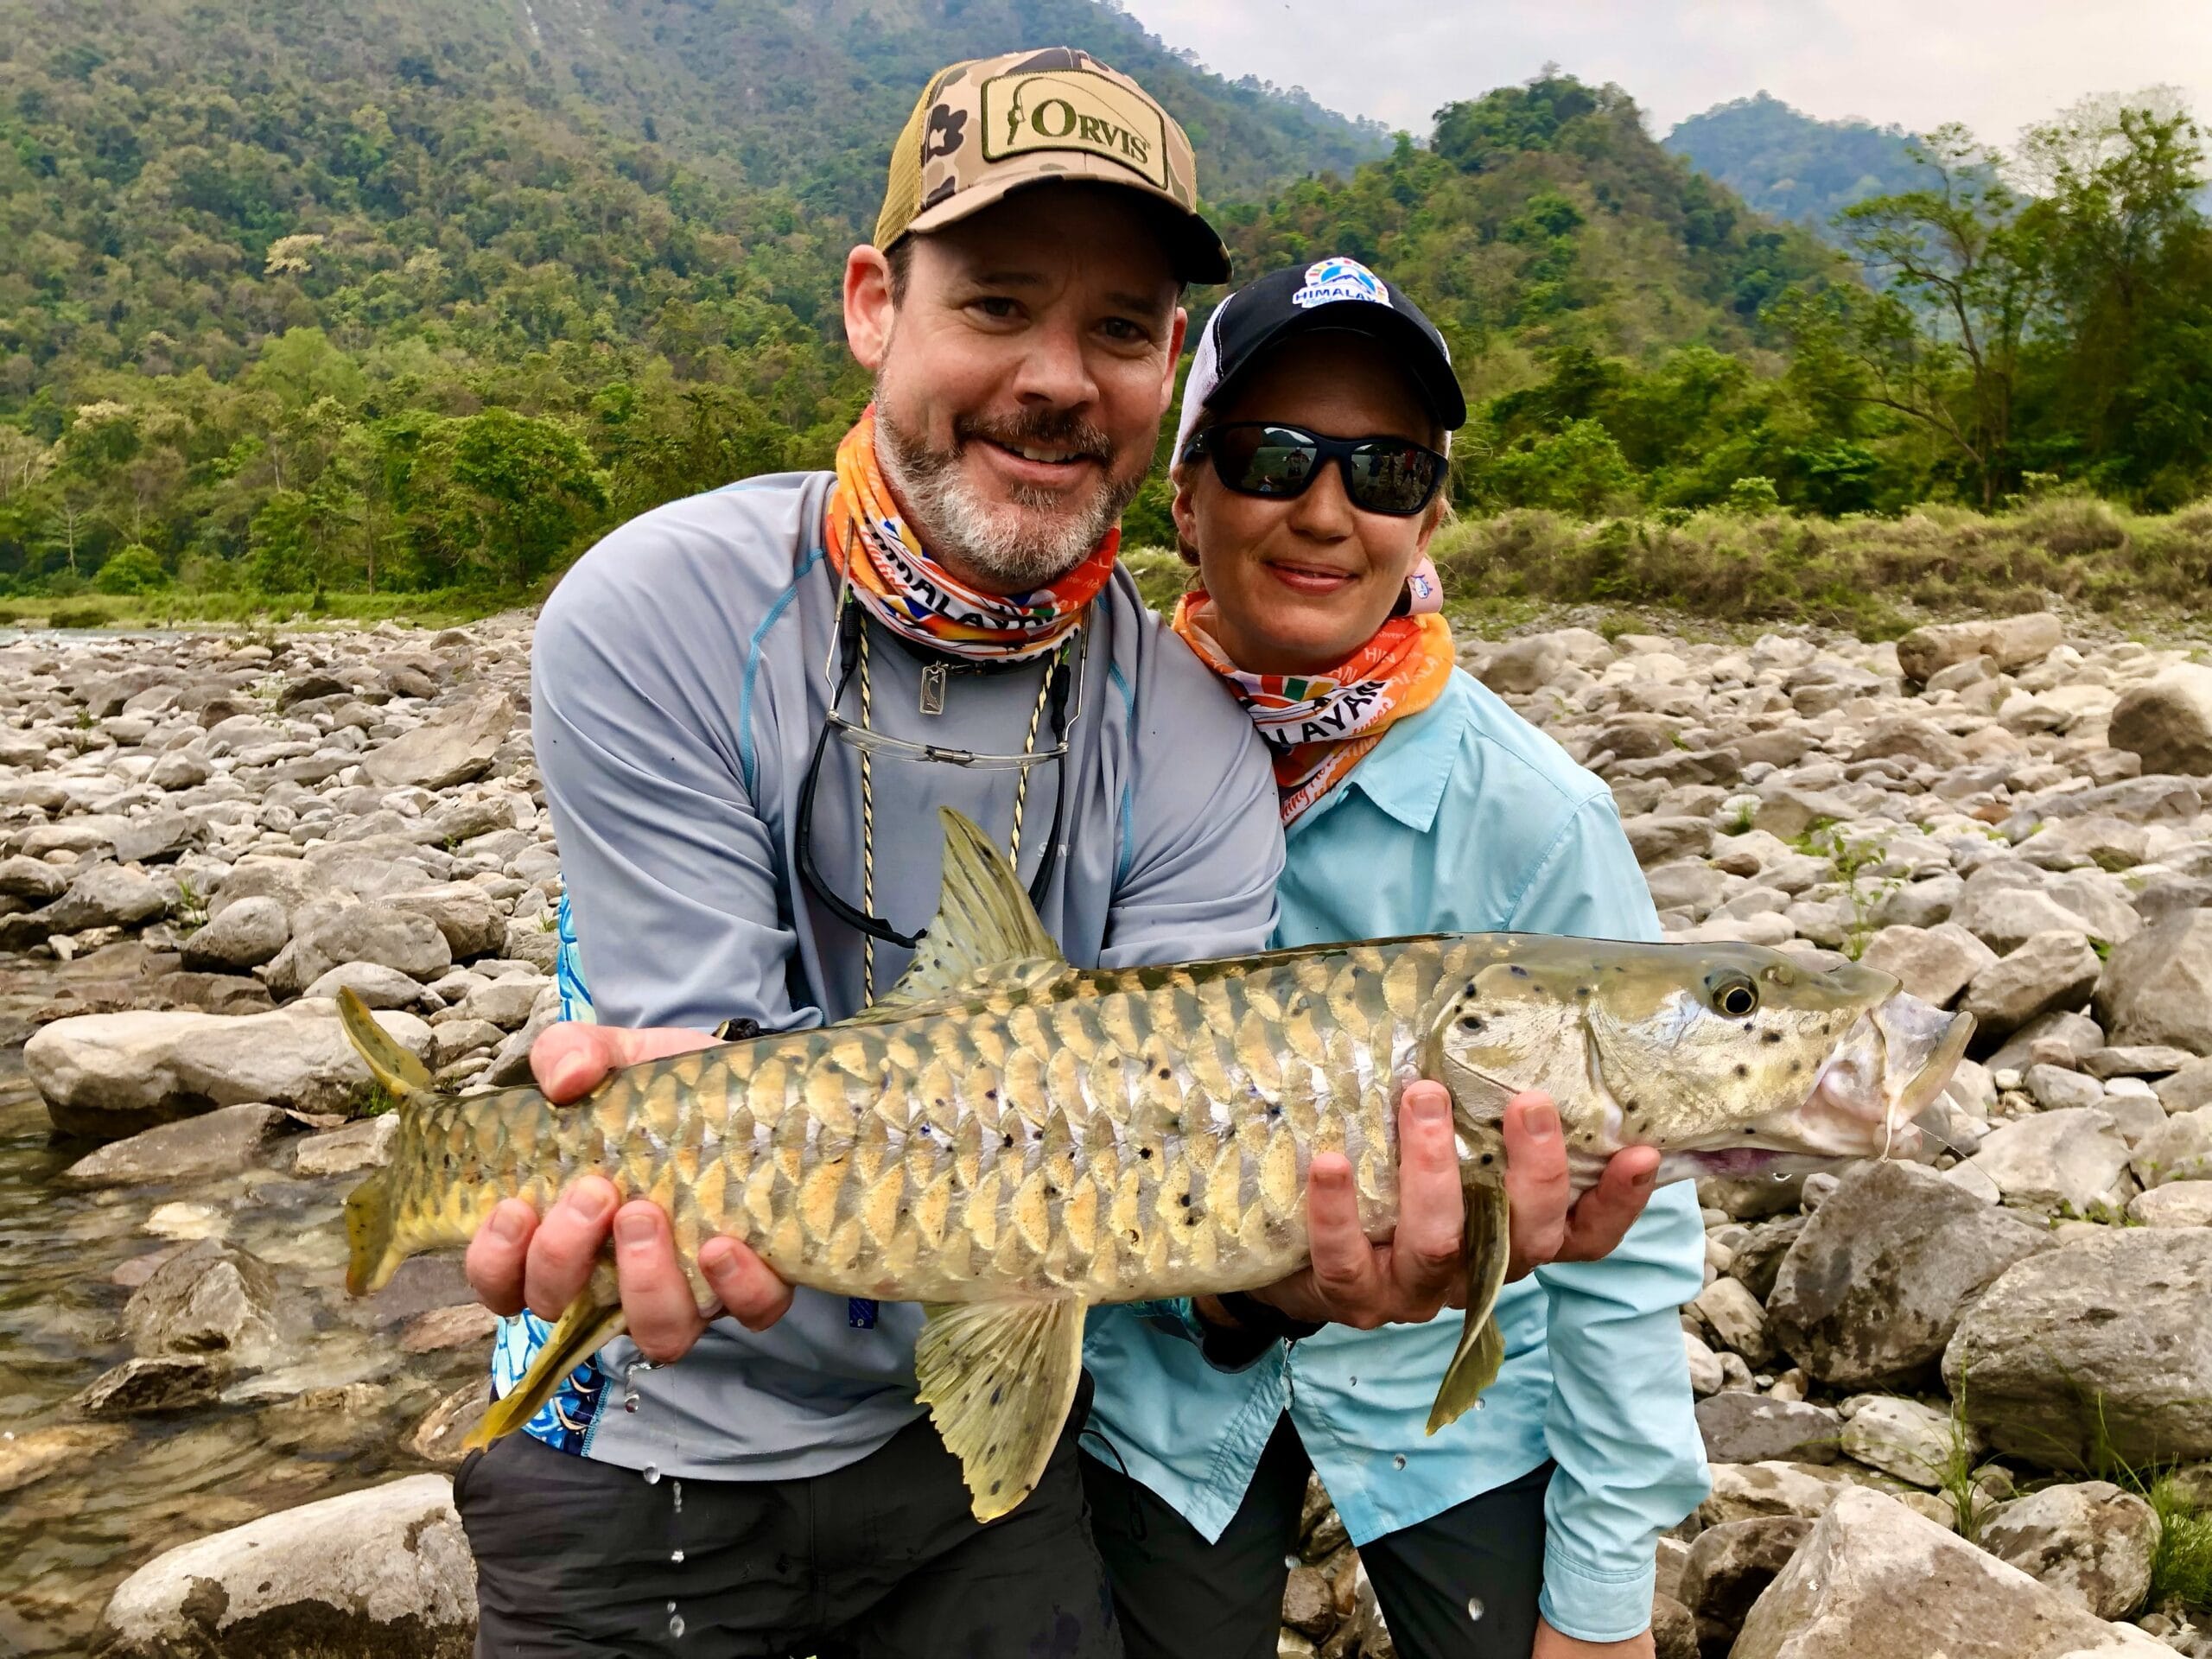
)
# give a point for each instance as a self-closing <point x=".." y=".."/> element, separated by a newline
<point x="1308" y="469"/>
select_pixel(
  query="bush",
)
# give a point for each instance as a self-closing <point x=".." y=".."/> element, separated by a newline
<point x="133" y="569"/>
<point x="79" y="616"/>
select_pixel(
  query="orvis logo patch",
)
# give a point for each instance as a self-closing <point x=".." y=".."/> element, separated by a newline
<point x="1328" y="280"/>
<point x="1073" y="109"/>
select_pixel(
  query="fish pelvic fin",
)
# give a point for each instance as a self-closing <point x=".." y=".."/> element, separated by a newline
<point x="400" y="1072"/>
<point x="592" y="1321"/>
<point x="984" y="925"/>
<point x="998" y="1378"/>
<point x="1475" y="1361"/>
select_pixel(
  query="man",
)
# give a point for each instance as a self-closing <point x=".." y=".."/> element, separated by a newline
<point x="732" y="693"/>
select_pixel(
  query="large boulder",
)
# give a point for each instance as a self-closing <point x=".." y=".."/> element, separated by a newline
<point x="452" y="746"/>
<point x="472" y="925"/>
<point x="2100" y="1349"/>
<point x="1876" y="1581"/>
<point x="2010" y="642"/>
<point x="2054" y="971"/>
<point x="109" y="1075"/>
<point x="2157" y="987"/>
<point x="1743" y="1427"/>
<point x="2072" y="1159"/>
<point x="2091" y="1542"/>
<point x="1872" y="1289"/>
<point x="370" y="1574"/>
<point x="107" y="895"/>
<point x="246" y="933"/>
<point x="208" y="1299"/>
<point x="2168" y="722"/>
<point x="379" y="933"/>
<point x="220" y="1142"/>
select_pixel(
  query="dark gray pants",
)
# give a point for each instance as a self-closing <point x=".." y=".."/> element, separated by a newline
<point x="1178" y="1596"/>
<point x="880" y="1560"/>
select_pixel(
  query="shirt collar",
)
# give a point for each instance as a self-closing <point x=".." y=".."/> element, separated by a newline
<point x="1406" y="773"/>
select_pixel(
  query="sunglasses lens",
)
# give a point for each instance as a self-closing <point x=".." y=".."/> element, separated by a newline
<point x="1394" y="477"/>
<point x="1265" y="459"/>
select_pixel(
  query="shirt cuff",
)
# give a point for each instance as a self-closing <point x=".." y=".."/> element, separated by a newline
<point x="1596" y="1604"/>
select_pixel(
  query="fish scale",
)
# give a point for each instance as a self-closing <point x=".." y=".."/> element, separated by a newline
<point x="1009" y="1139"/>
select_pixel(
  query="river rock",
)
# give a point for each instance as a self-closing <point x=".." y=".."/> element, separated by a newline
<point x="31" y="879"/>
<point x="374" y="983"/>
<point x="1520" y="666"/>
<point x="1674" y="1629"/>
<point x="107" y="895"/>
<point x="2158" y="986"/>
<point x="211" y="1298"/>
<point x="152" y="1384"/>
<point x="1730" y="1566"/>
<point x="2168" y="722"/>
<point x="438" y="1438"/>
<point x="2054" y="971"/>
<point x="1737" y="1318"/>
<point x="382" y="1572"/>
<point x="243" y="934"/>
<point x="1872" y="1291"/>
<point x="364" y="1145"/>
<point x="1875" y="1580"/>
<point x="107" y="1074"/>
<point x="393" y="938"/>
<point x="2179" y="1204"/>
<point x="2091" y="1542"/>
<point x="2070" y="1160"/>
<point x="453" y="746"/>
<point x="1902" y="1438"/>
<point x="32" y="1454"/>
<point x="2098" y="1348"/>
<point x="2010" y="642"/>
<point x="222" y="1141"/>
<point x="2187" y="1089"/>
<point x="1934" y="963"/>
<point x="1741" y="1427"/>
<point x="1740" y="1491"/>
<point x="472" y="925"/>
<point x="2179" y="1149"/>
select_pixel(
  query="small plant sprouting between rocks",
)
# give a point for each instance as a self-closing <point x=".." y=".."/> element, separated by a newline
<point x="191" y="912"/>
<point x="375" y="1101"/>
<point x="1959" y="1479"/>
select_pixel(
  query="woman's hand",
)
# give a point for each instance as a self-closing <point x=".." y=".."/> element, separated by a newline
<point x="516" y="1260"/>
<point x="1550" y="1644"/>
<point x="1421" y="1270"/>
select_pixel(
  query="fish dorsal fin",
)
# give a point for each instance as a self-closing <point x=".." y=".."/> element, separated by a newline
<point x="392" y="1066"/>
<point x="998" y="1378"/>
<point x="985" y="927"/>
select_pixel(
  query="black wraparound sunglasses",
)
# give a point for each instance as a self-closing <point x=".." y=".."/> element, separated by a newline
<point x="1387" y="475"/>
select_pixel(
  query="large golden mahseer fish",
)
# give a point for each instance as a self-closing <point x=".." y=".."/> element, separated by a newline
<point x="1009" y="1140"/>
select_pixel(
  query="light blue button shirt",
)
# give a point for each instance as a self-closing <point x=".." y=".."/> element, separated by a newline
<point x="1463" y="819"/>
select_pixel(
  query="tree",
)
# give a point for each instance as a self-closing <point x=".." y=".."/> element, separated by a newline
<point x="506" y="495"/>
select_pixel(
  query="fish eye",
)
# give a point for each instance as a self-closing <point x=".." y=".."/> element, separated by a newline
<point x="1735" y="997"/>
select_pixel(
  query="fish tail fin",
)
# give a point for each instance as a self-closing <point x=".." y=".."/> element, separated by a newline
<point x="372" y="1252"/>
<point x="593" y="1321"/>
<point x="400" y="1072"/>
<point x="1481" y="1353"/>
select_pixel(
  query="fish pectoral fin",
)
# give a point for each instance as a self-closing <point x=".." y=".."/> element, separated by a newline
<point x="592" y="1321"/>
<point x="984" y="921"/>
<point x="1475" y="1361"/>
<point x="391" y="1065"/>
<point x="998" y="1378"/>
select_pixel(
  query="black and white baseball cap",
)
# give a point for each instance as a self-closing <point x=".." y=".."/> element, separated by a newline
<point x="1336" y="293"/>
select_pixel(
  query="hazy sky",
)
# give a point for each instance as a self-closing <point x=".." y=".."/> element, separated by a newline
<point x="1994" y="64"/>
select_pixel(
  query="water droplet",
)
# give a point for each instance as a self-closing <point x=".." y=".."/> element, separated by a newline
<point x="676" y="1624"/>
<point x="652" y="1474"/>
<point x="1290" y="1561"/>
<point x="1781" y="1174"/>
<point x="676" y="1490"/>
<point x="1481" y="1404"/>
<point x="1351" y="1381"/>
<point x="672" y="1607"/>
<point x="1398" y="1462"/>
<point x="676" y="1555"/>
<point x="1474" y="1607"/>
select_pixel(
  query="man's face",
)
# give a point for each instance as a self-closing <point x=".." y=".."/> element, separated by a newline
<point x="1021" y="380"/>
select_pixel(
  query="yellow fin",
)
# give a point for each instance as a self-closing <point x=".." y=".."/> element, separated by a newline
<point x="1481" y="1352"/>
<point x="998" y="1378"/>
<point x="593" y="1321"/>
<point x="393" y="1066"/>
<point x="984" y="921"/>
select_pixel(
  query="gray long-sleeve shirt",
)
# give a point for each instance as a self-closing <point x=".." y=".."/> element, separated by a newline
<point x="678" y="691"/>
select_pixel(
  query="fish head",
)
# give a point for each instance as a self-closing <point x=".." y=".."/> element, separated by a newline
<point x="1732" y="1060"/>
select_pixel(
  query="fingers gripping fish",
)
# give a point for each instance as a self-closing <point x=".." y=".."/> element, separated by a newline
<point x="1009" y="1139"/>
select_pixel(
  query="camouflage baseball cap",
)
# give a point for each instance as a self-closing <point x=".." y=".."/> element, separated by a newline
<point x="990" y="126"/>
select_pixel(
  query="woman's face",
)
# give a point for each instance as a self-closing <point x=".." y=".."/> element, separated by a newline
<point x="1300" y="585"/>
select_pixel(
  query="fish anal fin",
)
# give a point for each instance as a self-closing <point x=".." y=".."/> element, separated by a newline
<point x="1475" y="1361"/>
<point x="998" y="1378"/>
<point x="592" y="1321"/>
<point x="391" y="1064"/>
<point x="984" y="921"/>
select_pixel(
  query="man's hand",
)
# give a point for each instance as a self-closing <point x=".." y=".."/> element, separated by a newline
<point x="516" y="1260"/>
<point x="1420" y="1271"/>
<point x="1550" y="1644"/>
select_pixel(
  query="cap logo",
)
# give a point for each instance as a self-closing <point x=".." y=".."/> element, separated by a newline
<point x="1336" y="278"/>
<point x="1078" y="109"/>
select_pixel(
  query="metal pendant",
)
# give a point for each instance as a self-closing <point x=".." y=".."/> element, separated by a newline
<point x="933" y="689"/>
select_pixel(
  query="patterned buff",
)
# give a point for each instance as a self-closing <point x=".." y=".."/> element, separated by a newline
<point x="914" y="596"/>
<point x="1320" y="725"/>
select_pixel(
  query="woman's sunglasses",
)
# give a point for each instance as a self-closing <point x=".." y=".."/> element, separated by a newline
<point x="1385" y="475"/>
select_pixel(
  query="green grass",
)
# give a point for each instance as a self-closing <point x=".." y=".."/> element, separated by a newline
<point x="180" y="608"/>
<point x="2182" y="1569"/>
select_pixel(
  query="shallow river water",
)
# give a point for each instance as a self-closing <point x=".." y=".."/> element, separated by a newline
<point x="334" y="1413"/>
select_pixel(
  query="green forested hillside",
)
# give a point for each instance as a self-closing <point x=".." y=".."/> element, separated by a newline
<point x="1789" y="166"/>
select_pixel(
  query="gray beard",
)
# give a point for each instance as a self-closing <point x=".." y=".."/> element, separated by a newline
<point x="1029" y="545"/>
